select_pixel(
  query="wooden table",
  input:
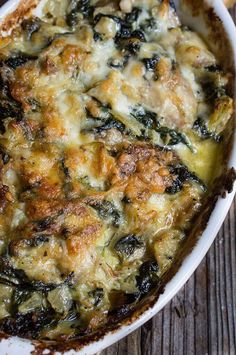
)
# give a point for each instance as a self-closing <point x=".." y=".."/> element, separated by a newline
<point x="201" y="318"/>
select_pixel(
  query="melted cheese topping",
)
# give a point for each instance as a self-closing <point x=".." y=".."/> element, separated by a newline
<point x="112" y="122"/>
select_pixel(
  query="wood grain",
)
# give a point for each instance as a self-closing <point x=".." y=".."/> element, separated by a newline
<point x="201" y="318"/>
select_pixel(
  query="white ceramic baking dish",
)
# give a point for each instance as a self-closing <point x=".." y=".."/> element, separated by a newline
<point x="199" y="22"/>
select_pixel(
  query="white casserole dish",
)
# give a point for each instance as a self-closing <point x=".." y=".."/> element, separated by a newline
<point x="12" y="346"/>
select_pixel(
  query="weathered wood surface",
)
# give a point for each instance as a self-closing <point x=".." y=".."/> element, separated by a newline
<point x="201" y="318"/>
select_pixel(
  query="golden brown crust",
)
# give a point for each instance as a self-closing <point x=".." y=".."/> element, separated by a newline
<point x="142" y="171"/>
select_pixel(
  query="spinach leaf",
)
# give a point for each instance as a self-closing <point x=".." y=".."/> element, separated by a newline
<point x="132" y="47"/>
<point x="127" y="245"/>
<point x="146" y="281"/>
<point x="9" y="107"/>
<point x="72" y="315"/>
<point x="148" y="24"/>
<point x="150" y="63"/>
<point x="65" y="169"/>
<point x="97" y="296"/>
<point x="201" y="128"/>
<point x="147" y="278"/>
<point x="4" y="155"/>
<point x="149" y="119"/>
<point x="17" y="60"/>
<point x="213" y="68"/>
<point x="109" y="124"/>
<point x="105" y="122"/>
<point x="75" y="7"/>
<point x="126" y="32"/>
<point x="43" y="224"/>
<point x="182" y="175"/>
<point x="11" y="276"/>
<point x="132" y="16"/>
<point x="19" y="296"/>
<point x="18" y="278"/>
<point x="42" y="286"/>
<point x="173" y="137"/>
<point x="108" y="212"/>
<point x="35" y="241"/>
<point x="144" y="116"/>
<point x="119" y="313"/>
<point x="139" y="35"/>
<point x="28" y="324"/>
<point x="123" y="33"/>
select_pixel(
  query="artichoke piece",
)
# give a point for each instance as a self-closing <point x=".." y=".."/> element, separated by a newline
<point x="166" y="246"/>
<point x="60" y="299"/>
<point x="32" y="303"/>
<point x="129" y="246"/>
<point x="221" y="115"/>
<point x="183" y="175"/>
<point x="5" y="299"/>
